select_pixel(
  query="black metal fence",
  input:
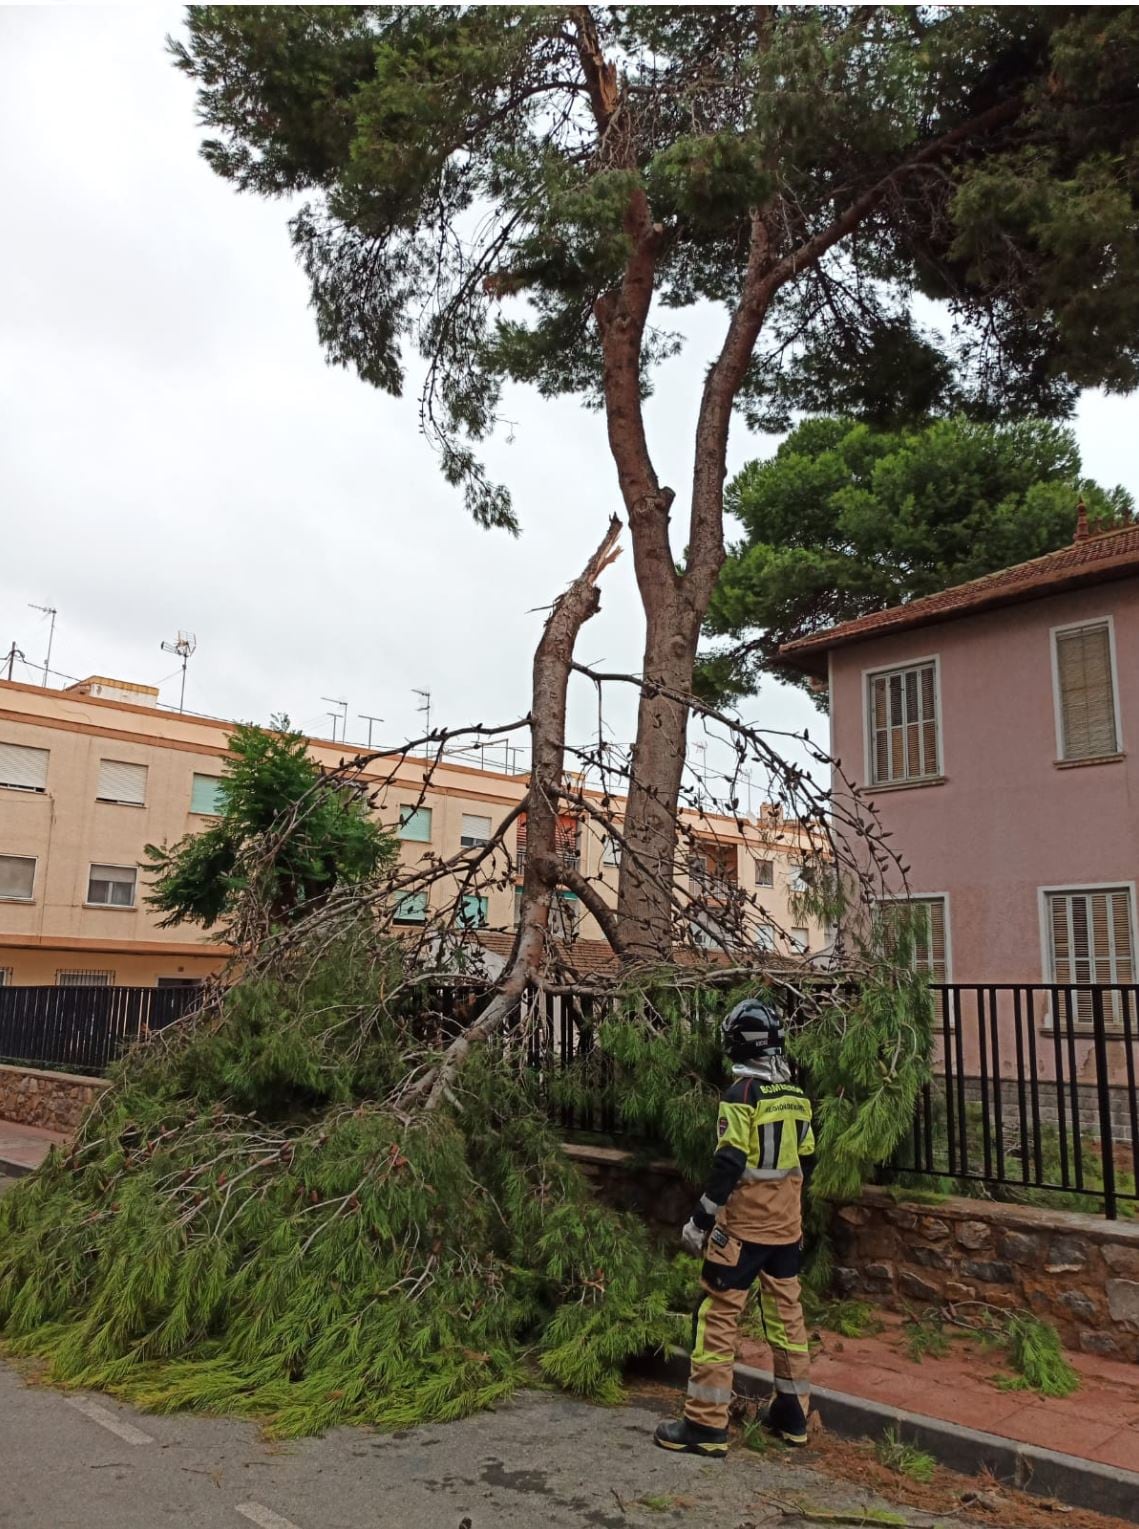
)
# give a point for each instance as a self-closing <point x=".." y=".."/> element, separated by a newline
<point x="83" y="1029"/>
<point x="1034" y="1093"/>
<point x="1034" y="1089"/>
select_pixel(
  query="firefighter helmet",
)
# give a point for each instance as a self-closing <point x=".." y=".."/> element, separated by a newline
<point x="753" y="1029"/>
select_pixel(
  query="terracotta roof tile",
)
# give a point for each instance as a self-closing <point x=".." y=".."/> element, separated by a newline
<point x="1110" y="555"/>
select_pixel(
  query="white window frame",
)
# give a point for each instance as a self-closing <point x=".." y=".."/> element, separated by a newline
<point x="6" y="974"/>
<point x="610" y="850"/>
<point x="114" y="907"/>
<point x="1047" y="972"/>
<point x="1057" y="708"/>
<point x="799" y="947"/>
<point x="757" y="861"/>
<point x="929" y="897"/>
<point x="868" y="676"/>
<point x="35" y="859"/>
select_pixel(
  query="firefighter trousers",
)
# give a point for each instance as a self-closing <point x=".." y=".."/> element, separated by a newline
<point x="731" y="1268"/>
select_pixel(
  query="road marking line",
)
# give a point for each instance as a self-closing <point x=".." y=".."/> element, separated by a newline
<point x="109" y="1420"/>
<point x="265" y="1517"/>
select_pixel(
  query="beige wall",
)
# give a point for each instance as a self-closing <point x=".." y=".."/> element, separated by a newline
<point x="66" y="830"/>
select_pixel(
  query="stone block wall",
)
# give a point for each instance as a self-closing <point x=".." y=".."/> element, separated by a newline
<point x="1079" y="1272"/>
<point x="654" y="1191"/>
<point x="54" y="1101"/>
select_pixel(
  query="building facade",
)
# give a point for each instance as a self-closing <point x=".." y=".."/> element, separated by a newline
<point x="90" y="775"/>
<point x="994" y="728"/>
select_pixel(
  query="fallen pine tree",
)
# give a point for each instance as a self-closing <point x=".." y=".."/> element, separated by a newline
<point x="244" y="1228"/>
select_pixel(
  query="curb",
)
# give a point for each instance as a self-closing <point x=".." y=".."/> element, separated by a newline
<point x="11" y="1170"/>
<point x="1028" y="1467"/>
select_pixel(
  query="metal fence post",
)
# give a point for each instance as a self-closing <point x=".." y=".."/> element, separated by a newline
<point x="1103" y="1091"/>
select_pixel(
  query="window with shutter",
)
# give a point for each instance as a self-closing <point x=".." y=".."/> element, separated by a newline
<point x="1090" y="934"/>
<point x="800" y="941"/>
<point x="415" y="824"/>
<point x="902" y="724"/>
<point x="475" y="830"/>
<point x="411" y="909"/>
<point x="205" y="795"/>
<point x="22" y="768"/>
<point x="928" y="932"/>
<point x="121" y="783"/>
<point x="17" y="877"/>
<point x="765" y="937"/>
<point x="473" y="914"/>
<point x="112" y="886"/>
<point x="1085" y="692"/>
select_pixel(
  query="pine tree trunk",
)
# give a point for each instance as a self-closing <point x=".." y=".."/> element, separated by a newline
<point x="644" y="911"/>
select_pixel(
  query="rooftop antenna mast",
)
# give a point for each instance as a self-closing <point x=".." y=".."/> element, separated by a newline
<point x="702" y="773"/>
<point x="341" y="716"/>
<point x="12" y="655"/>
<point x="185" y="647"/>
<point x="48" y="610"/>
<point x="426" y="709"/>
<point x="369" y="719"/>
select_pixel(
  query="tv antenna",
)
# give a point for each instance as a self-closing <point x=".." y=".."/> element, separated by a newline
<point x="185" y="648"/>
<point x="12" y="655"/>
<point x="426" y="709"/>
<point x="369" y="719"/>
<point x="48" y="610"/>
<point x="341" y="716"/>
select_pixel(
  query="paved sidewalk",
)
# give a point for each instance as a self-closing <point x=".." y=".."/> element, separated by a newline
<point x="23" y="1148"/>
<point x="1099" y="1422"/>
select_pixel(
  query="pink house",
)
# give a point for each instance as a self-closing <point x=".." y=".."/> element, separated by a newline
<point x="995" y="727"/>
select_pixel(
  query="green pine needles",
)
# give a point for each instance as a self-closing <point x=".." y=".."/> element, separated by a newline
<point x="261" y="1217"/>
<point x="247" y="1227"/>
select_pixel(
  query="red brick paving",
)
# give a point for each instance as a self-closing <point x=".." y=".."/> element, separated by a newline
<point x="1098" y="1422"/>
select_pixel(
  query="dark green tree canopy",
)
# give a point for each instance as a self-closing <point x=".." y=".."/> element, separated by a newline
<point x="480" y="180"/>
<point x="285" y="830"/>
<point x="845" y="519"/>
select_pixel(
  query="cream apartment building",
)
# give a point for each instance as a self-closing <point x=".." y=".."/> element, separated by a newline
<point x="92" y="774"/>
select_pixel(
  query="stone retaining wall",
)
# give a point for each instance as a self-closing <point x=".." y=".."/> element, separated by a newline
<point x="54" y="1101"/>
<point x="1079" y="1272"/>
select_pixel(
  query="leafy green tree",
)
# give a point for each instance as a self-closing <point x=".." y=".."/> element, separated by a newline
<point x="844" y="520"/>
<point x="284" y="830"/>
<point x="511" y="189"/>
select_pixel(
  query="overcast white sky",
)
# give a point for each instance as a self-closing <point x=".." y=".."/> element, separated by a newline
<point x="175" y="453"/>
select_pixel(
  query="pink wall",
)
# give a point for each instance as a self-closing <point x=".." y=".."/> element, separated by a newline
<point x="1006" y="821"/>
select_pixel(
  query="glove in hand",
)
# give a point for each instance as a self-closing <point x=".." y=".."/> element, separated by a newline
<point x="693" y="1238"/>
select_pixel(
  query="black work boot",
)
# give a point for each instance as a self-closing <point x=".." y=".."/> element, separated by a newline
<point x="690" y="1438"/>
<point x="784" y="1417"/>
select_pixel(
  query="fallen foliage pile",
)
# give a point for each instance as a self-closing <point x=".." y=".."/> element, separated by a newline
<point x="252" y="1224"/>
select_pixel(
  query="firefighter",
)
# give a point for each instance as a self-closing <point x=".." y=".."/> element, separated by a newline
<point x="748" y="1227"/>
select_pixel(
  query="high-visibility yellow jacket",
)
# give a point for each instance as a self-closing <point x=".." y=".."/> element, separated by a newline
<point x="765" y="1150"/>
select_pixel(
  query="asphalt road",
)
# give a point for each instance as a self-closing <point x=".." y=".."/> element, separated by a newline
<point x="84" y="1462"/>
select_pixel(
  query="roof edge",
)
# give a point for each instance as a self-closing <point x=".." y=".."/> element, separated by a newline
<point x="809" y="654"/>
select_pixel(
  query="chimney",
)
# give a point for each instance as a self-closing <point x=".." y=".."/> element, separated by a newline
<point x="1082" y="532"/>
